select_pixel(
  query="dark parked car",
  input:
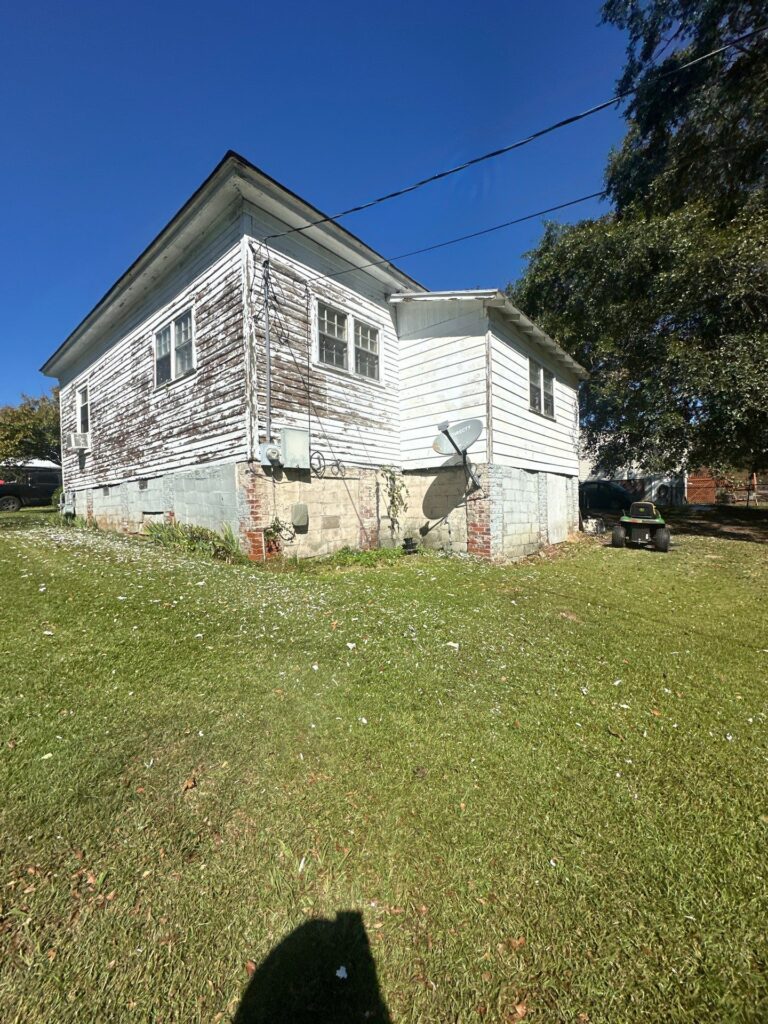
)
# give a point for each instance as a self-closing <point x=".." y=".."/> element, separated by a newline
<point x="27" y="485"/>
<point x="603" y="496"/>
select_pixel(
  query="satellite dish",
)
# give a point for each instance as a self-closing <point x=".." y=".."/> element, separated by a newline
<point x="456" y="439"/>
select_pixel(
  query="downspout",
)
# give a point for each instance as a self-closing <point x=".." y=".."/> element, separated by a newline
<point x="268" y="383"/>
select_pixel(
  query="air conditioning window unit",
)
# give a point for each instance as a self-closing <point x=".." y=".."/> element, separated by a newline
<point x="79" y="441"/>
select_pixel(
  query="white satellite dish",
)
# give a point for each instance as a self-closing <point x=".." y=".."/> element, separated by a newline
<point x="458" y="438"/>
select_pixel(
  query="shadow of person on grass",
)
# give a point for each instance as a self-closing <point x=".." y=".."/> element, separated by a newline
<point x="322" y="973"/>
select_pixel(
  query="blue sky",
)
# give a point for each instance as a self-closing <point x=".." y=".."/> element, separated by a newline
<point x="112" y="115"/>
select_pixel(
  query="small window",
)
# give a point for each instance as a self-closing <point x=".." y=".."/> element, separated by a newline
<point x="542" y="389"/>
<point x="534" y="375"/>
<point x="174" y="349"/>
<point x="366" y="351"/>
<point x="549" y="393"/>
<point x="83" y="413"/>
<point x="163" y="355"/>
<point x="183" y="343"/>
<point x="332" y="329"/>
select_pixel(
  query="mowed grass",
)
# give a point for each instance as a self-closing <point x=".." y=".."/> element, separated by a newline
<point x="564" y="818"/>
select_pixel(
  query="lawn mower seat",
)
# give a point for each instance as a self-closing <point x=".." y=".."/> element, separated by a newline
<point x="643" y="510"/>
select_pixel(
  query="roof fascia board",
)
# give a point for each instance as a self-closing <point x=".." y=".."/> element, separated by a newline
<point x="232" y="172"/>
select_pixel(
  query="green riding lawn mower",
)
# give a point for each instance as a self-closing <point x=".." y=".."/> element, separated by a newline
<point x="643" y="526"/>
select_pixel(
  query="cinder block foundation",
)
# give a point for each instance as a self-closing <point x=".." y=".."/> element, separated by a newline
<point x="513" y="514"/>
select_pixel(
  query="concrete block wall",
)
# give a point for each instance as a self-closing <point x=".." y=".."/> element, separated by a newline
<point x="506" y="519"/>
<point x="206" y="496"/>
<point x="343" y="511"/>
<point x="437" y="508"/>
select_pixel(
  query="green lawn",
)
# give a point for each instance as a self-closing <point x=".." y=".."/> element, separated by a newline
<point x="562" y="819"/>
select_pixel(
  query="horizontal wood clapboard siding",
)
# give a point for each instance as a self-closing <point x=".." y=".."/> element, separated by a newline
<point x="349" y="417"/>
<point x="443" y="375"/>
<point x="521" y="437"/>
<point x="139" y="430"/>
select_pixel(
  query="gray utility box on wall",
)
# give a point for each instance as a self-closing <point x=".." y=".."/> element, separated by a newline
<point x="294" y="444"/>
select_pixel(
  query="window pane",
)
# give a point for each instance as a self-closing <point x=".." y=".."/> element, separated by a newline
<point x="534" y="376"/>
<point x="163" y="369"/>
<point x="549" y="393"/>
<point x="183" y="359"/>
<point x="367" y="363"/>
<point x="333" y="352"/>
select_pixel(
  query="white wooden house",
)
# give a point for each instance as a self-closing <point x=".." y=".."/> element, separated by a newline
<point x="243" y="372"/>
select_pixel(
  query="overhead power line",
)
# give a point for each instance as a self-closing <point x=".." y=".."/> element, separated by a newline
<point x="461" y="238"/>
<point x="514" y="145"/>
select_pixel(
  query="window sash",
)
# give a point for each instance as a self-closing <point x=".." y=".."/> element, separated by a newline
<point x="366" y="351"/>
<point x="549" y="393"/>
<point x="83" y="412"/>
<point x="332" y="336"/>
<point x="534" y="378"/>
<point x="184" y="357"/>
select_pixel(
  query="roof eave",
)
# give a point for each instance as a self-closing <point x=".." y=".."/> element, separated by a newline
<point x="231" y="168"/>
<point x="492" y="298"/>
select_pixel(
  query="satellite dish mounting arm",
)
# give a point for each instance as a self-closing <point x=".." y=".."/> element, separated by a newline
<point x="444" y="428"/>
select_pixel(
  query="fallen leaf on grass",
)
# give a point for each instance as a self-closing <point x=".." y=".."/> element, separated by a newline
<point x="250" y="968"/>
<point x="656" y="713"/>
<point x="190" y="783"/>
<point x="52" y="954"/>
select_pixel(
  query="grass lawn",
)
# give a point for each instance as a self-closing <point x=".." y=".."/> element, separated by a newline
<point x="543" y="786"/>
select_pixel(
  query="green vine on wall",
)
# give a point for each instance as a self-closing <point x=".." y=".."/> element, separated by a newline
<point x="396" y="494"/>
<point x="278" y="533"/>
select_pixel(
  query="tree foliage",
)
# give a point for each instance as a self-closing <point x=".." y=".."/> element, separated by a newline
<point x="665" y="299"/>
<point x="30" y="430"/>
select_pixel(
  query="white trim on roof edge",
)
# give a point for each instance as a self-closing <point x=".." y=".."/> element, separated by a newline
<point x="495" y="299"/>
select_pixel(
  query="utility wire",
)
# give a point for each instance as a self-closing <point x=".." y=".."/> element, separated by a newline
<point x="460" y="238"/>
<point x="515" y="145"/>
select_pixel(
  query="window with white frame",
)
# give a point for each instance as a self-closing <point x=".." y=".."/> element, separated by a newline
<point x="83" y="410"/>
<point x="174" y="349"/>
<point x="542" y="389"/>
<point x="334" y="331"/>
<point x="332" y="335"/>
<point x="366" y="350"/>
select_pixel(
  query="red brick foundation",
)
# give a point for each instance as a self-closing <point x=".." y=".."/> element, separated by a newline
<point x="479" y="526"/>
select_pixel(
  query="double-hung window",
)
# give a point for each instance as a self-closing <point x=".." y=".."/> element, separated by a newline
<point x="542" y="389"/>
<point x="332" y="327"/>
<point x="335" y="330"/>
<point x="174" y="349"/>
<point x="366" y="351"/>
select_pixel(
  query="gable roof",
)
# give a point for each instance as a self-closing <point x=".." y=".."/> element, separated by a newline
<point x="234" y="176"/>
<point x="495" y="299"/>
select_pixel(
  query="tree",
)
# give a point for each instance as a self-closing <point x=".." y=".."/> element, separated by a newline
<point x="30" y="430"/>
<point x="665" y="299"/>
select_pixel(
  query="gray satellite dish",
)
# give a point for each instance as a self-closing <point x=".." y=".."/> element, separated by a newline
<point x="454" y="440"/>
<point x="457" y="438"/>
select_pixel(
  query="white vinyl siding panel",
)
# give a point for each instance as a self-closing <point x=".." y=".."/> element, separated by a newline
<point x="522" y="437"/>
<point x="443" y="375"/>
